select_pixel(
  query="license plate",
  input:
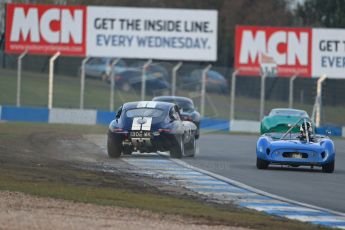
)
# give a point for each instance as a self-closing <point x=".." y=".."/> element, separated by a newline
<point x="296" y="155"/>
<point x="140" y="134"/>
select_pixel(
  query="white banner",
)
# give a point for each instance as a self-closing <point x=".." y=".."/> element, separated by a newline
<point x="328" y="53"/>
<point x="172" y="34"/>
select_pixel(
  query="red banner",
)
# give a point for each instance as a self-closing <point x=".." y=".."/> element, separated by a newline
<point x="46" y="29"/>
<point x="280" y="51"/>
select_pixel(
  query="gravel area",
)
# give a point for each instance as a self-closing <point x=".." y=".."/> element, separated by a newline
<point x="21" y="211"/>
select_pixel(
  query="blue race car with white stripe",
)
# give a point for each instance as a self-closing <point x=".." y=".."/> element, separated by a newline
<point x="296" y="149"/>
<point x="150" y="126"/>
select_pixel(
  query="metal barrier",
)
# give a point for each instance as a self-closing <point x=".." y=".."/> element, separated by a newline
<point x="237" y="98"/>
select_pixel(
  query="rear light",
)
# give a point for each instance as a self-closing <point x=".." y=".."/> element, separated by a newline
<point x="187" y="118"/>
<point x="118" y="130"/>
<point x="117" y="77"/>
<point x="164" y="130"/>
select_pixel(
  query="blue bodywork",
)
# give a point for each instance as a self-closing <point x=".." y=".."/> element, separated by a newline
<point x="292" y="151"/>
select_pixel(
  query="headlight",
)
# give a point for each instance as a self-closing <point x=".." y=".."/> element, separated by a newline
<point x="261" y="149"/>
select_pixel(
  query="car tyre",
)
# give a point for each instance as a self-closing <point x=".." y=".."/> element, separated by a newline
<point x="328" y="168"/>
<point x="114" y="146"/>
<point x="178" y="150"/>
<point x="190" y="147"/>
<point x="261" y="164"/>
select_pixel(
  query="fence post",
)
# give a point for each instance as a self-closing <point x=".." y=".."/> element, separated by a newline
<point x="112" y="84"/>
<point x="82" y="82"/>
<point x="232" y="95"/>
<point x="293" y="78"/>
<point x="174" y="73"/>
<point x="318" y="101"/>
<point x="203" y="90"/>
<point x="19" y="76"/>
<point x="143" y="79"/>
<point x="51" y="79"/>
<point x="262" y="96"/>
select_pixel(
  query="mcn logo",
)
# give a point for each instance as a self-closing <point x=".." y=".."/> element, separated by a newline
<point x="45" y="29"/>
<point x="288" y="48"/>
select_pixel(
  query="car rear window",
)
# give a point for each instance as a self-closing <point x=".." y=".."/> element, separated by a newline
<point x="144" y="112"/>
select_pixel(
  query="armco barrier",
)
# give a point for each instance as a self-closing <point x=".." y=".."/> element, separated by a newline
<point x="26" y="114"/>
<point x="93" y="117"/>
<point x="104" y="117"/>
<point x="215" y="124"/>
<point x="330" y="130"/>
<point x="72" y="116"/>
<point x="245" y="126"/>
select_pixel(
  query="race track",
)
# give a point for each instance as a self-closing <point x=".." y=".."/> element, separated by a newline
<point x="233" y="156"/>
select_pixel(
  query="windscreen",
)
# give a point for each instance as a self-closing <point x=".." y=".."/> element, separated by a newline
<point x="144" y="112"/>
<point x="186" y="106"/>
<point x="286" y="112"/>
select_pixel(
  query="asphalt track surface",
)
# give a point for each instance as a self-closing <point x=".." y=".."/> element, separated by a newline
<point x="233" y="156"/>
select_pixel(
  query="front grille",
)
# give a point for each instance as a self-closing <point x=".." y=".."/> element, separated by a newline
<point x="295" y="155"/>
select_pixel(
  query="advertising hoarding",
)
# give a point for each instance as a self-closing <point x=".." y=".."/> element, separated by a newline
<point x="171" y="34"/>
<point x="306" y="52"/>
<point x="289" y="48"/>
<point x="45" y="29"/>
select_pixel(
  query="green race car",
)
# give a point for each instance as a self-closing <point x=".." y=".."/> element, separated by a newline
<point x="280" y="120"/>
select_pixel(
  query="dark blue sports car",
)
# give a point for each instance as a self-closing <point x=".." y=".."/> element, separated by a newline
<point x="296" y="149"/>
<point x="150" y="126"/>
<point x="187" y="109"/>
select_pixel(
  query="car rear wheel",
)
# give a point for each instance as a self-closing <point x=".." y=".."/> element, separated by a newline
<point x="178" y="150"/>
<point x="190" y="147"/>
<point x="261" y="164"/>
<point x="328" y="168"/>
<point x="114" y="146"/>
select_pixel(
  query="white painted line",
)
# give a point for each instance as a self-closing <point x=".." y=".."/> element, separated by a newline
<point x="190" y="177"/>
<point x="252" y="189"/>
<point x="280" y="208"/>
<point x="211" y="186"/>
<point x="259" y="201"/>
<point x="315" y="218"/>
<point x="228" y="194"/>
<point x="210" y="182"/>
<point x="215" y="187"/>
